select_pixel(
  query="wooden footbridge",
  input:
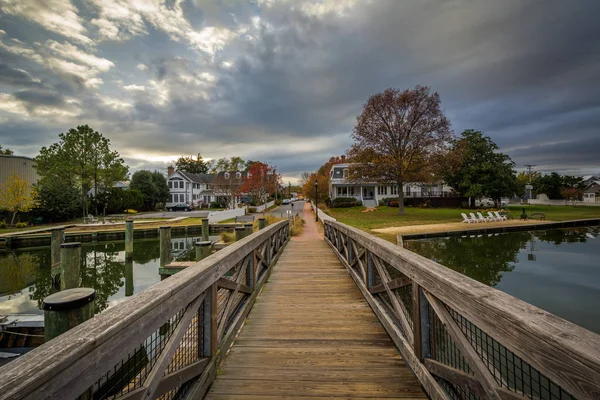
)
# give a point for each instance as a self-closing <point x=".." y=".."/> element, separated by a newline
<point x="347" y="316"/>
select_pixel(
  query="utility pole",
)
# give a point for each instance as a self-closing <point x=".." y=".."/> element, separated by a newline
<point x="529" y="166"/>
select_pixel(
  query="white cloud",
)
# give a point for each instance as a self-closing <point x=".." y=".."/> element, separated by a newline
<point x="134" y="88"/>
<point x="63" y="58"/>
<point x="58" y="16"/>
<point x="142" y="67"/>
<point x="121" y="19"/>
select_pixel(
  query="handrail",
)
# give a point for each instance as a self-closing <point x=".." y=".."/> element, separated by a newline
<point x="170" y="337"/>
<point x="461" y="337"/>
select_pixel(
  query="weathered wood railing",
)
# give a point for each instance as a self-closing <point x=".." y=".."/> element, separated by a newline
<point x="165" y="342"/>
<point x="463" y="339"/>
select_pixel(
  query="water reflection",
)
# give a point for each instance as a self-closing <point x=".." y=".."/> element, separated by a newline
<point x="557" y="270"/>
<point x="26" y="278"/>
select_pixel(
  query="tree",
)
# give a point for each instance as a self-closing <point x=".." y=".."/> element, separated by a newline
<point x="58" y="199"/>
<point x="16" y="195"/>
<point x="261" y="180"/>
<point x="475" y="168"/>
<point x="83" y="157"/>
<point x="5" y="152"/>
<point x="189" y="164"/>
<point x="396" y="136"/>
<point x="153" y="186"/>
<point x="523" y="179"/>
<point x="553" y="185"/>
<point x="224" y="165"/>
<point x="322" y="176"/>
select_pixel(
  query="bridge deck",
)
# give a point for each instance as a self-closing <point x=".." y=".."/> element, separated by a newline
<point x="312" y="335"/>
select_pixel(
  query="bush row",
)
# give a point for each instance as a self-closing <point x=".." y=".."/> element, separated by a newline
<point x="345" y="202"/>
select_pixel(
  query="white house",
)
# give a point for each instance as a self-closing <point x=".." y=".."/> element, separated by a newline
<point x="369" y="193"/>
<point x="194" y="189"/>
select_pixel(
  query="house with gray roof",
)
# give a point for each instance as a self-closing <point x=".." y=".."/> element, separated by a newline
<point x="186" y="187"/>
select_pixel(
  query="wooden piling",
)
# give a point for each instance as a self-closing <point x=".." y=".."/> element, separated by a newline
<point x="129" y="236"/>
<point x="240" y="233"/>
<point x="128" y="274"/>
<point x="205" y="230"/>
<point x="165" y="245"/>
<point x="202" y="250"/>
<point x="56" y="240"/>
<point x="249" y="229"/>
<point x="70" y="262"/>
<point x="262" y="223"/>
<point x="67" y="309"/>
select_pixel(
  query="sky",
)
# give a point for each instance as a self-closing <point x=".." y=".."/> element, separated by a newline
<point x="283" y="81"/>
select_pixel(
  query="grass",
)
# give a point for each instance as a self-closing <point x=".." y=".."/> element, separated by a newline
<point x="297" y="226"/>
<point x="386" y="217"/>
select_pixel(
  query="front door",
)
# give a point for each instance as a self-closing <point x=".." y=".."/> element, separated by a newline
<point x="368" y="193"/>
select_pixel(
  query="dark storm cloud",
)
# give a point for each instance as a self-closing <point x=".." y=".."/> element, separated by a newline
<point x="525" y="73"/>
<point x="40" y="97"/>
<point x="16" y="77"/>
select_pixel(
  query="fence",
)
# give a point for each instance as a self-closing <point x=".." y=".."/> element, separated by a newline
<point x="265" y="206"/>
<point x="166" y="342"/>
<point x="463" y="339"/>
<point x="218" y="216"/>
<point x="563" y="203"/>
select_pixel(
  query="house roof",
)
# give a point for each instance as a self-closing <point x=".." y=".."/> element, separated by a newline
<point x="197" y="178"/>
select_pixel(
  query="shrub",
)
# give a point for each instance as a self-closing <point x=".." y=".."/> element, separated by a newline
<point x="227" y="237"/>
<point x="277" y="202"/>
<point x="393" y="203"/>
<point x="345" y="202"/>
<point x="214" y="204"/>
<point x="386" y="201"/>
<point x="159" y="206"/>
<point x="130" y="211"/>
<point x="3" y="224"/>
<point x="297" y="226"/>
<point x="251" y="209"/>
<point x="21" y="224"/>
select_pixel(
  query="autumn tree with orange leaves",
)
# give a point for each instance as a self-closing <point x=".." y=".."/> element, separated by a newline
<point x="322" y="176"/>
<point x="397" y="135"/>
<point x="16" y="195"/>
<point x="261" y="180"/>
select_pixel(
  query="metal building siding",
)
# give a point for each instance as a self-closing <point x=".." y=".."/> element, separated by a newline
<point x="23" y="166"/>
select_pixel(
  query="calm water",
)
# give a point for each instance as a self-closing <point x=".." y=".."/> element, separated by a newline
<point x="556" y="270"/>
<point x="25" y="278"/>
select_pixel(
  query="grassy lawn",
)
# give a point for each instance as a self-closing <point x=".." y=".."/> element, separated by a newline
<point x="388" y="216"/>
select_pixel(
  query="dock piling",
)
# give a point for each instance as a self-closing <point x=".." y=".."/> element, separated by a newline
<point x="205" y="230"/>
<point x="67" y="309"/>
<point x="129" y="236"/>
<point x="262" y="223"/>
<point x="203" y="249"/>
<point x="70" y="262"/>
<point x="165" y="245"/>
<point x="240" y="233"/>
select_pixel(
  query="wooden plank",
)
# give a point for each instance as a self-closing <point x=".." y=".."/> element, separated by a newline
<point x="393" y="284"/>
<point x="566" y="353"/>
<point x="231" y="285"/>
<point x="311" y="338"/>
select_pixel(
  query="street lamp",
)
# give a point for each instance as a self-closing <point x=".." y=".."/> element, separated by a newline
<point x="316" y="200"/>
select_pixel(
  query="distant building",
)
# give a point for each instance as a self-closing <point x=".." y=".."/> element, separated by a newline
<point x="23" y="166"/>
<point x="370" y="192"/>
<point x="193" y="189"/>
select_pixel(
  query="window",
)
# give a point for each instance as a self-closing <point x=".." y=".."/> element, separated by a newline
<point x="382" y="190"/>
<point x="342" y="191"/>
<point x="181" y="197"/>
<point x="226" y="175"/>
<point x="394" y="189"/>
<point x="238" y="175"/>
<point x="181" y="184"/>
<point x="170" y="185"/>
<point x="351" y="191"/>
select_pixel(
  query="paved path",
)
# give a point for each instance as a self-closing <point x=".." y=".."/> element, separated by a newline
<point x="311" y="335"/>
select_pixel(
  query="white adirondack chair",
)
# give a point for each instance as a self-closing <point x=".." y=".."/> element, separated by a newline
<point x="467" y="219"/>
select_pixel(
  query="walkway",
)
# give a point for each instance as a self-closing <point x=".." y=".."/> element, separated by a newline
<point x="311" y="335"/>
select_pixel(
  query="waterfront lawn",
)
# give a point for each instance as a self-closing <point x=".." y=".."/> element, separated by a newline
<point x="386" y="217"/>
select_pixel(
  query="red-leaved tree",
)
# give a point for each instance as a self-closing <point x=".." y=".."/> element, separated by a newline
<point x="261" y="181"/>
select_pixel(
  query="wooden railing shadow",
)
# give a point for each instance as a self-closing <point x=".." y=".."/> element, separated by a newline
<point x="463" y="339"/>
<point x="166" y="342"/>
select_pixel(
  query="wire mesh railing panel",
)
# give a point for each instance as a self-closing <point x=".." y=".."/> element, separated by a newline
<point x="509" y="370"/>
<point x="442" y="346"/>
<point x="131" y="372"/>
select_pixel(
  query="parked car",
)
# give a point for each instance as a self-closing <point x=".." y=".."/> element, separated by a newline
<point x="180" y="207"/>
<point x="285" y="201"/>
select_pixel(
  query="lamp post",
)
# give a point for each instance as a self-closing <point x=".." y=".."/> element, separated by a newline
<point x="316" y="200"/>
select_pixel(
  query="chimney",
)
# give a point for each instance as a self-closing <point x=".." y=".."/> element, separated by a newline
<point x="343" y="159"/>
<point x="170" y="170"/>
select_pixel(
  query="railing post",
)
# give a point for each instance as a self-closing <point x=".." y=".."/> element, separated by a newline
<point x="70" y="261"/>
<point x="67" y="309"/>
<point x="268" y="250"/>
<point x="205" y="230"/>
<point x="339" y="242"/>
<point x="209" y="321"/>
<point x="349" y="247"/>
<point x="370" y="267"/>
<point x="202" y="250"/>
<point x="165" y="245"/>
<point x="421" y="345"/>
<point x="251" y="270"/>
